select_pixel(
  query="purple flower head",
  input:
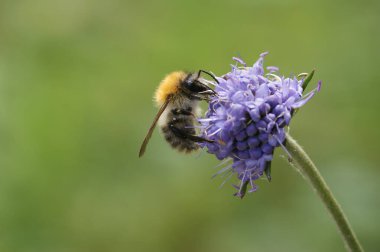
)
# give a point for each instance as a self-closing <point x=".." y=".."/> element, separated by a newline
<point x="246" y="120"/>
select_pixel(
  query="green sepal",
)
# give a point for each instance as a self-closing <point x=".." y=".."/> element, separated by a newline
<point x="267" y="170"/>
<point x="307" y="80"/>
<point x="304" y="86"/>
<point x="243" y="190"/>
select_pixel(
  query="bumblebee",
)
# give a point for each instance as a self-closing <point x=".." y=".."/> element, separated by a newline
<point x="177" y="97"/>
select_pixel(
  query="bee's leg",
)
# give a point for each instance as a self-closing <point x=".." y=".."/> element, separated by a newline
<point x="201" y="97"/>
<point x="183" y="134"/>
<point x="208" y="90"/>
<point x="198" y="139"/>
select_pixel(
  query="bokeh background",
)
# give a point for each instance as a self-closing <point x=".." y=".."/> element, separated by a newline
<point x="76" y="85"/>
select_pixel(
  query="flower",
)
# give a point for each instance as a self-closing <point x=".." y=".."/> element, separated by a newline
<point x="246" y="120"/>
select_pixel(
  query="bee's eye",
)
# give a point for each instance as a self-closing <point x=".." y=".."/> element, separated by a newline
<point x="194" y="86"/>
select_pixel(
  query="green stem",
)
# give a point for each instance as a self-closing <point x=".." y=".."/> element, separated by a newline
<point x="302" y="162"/>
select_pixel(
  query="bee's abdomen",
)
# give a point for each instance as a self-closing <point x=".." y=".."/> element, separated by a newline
<point x="176" y="133"/>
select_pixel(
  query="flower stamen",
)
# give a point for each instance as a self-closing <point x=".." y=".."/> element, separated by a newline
<point x="248" y="118"/>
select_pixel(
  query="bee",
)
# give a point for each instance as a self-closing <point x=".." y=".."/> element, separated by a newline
<point x="177" y="97"/>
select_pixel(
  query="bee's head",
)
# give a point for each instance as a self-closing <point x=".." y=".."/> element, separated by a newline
<point x="195" y="88"/>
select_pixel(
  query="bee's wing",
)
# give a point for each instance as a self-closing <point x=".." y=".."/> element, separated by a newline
<point x="150" y="131"/>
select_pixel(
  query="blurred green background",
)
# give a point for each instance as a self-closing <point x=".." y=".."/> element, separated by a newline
<point x="76" y="85"/>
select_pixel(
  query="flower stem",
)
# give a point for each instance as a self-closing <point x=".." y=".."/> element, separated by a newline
<point x="302" y="162"/>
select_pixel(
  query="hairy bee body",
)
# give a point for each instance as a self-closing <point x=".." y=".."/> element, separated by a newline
<point x="177" y="96"/>
<point x="181" y="117"/>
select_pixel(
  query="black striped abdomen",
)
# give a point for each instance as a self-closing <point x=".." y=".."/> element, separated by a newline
<point x="177" y="131"/>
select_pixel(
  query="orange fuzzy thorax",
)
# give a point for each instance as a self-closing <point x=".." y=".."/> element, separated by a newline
<point x="169" y="85"/>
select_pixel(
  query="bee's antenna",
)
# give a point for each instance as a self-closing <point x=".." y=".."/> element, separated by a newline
<point x="209" y="74"/>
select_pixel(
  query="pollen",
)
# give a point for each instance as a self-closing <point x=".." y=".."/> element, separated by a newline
<point x="169" y="85"/>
